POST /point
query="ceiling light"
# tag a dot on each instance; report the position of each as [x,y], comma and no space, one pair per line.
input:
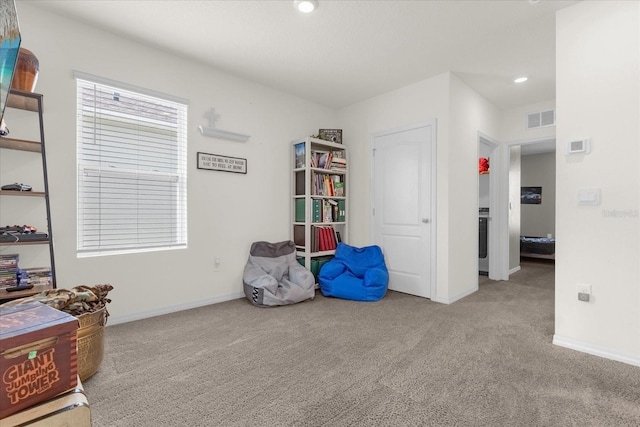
[305,6]
[521,79]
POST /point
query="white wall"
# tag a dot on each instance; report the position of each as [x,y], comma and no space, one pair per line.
[469,114]
[539,170]
[598,97]
[460,113]
[425,100]
[226,211]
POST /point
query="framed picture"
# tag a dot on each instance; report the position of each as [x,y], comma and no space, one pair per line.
[333,135]
[530,195]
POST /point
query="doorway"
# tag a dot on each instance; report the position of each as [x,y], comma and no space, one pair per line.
[515,154]
[489,212]
[403,219]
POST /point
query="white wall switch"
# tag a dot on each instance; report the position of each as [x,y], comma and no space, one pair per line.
[579,146]
[589,196]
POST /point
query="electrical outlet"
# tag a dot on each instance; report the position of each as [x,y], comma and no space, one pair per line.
[216,264]
[584,292]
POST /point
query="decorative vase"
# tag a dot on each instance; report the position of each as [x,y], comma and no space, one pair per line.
[26,74]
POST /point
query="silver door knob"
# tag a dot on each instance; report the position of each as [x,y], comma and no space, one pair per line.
[425,220]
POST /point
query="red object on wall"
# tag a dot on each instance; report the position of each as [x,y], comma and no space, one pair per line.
[483,165]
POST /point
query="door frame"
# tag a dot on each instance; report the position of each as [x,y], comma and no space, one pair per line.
[504,204]
[496,230]
[433,202]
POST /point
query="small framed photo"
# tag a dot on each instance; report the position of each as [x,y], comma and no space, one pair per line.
[531,195]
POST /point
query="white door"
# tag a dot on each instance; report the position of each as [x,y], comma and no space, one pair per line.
[403,209]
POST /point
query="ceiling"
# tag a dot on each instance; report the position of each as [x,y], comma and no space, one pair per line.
[348,51]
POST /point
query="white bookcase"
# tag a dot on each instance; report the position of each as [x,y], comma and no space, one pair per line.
[319,199]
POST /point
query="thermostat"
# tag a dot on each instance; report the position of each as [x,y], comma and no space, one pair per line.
[579,146]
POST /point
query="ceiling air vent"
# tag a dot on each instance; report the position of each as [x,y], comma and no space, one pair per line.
[541,119]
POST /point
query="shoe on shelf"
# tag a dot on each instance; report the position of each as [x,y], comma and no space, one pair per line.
[16,187]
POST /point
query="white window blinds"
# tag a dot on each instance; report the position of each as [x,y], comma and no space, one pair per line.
[132,170]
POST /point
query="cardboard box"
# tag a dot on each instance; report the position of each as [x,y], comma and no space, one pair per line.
[69,409]
[38,355]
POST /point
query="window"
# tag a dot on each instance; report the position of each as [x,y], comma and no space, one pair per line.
[132,168]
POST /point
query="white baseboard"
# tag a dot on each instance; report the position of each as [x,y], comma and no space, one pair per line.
[514,270]
[456,297]
[596,350]
[114,320]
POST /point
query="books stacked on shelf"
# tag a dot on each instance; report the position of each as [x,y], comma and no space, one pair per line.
[321,159]
[323,239]
[37,275]
[12,275]
[331,160]
[338,164]
[324,184]
[9,270]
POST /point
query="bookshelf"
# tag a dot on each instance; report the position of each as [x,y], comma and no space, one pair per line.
[31,207]
[319,200]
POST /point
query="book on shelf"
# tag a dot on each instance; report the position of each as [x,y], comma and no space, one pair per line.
[330,160]
[327,211]
[331,211]
[317,210]
[324,238]
[341,211]
[323,244]
[323,185]
[338,164]
[321,159]
[338,188]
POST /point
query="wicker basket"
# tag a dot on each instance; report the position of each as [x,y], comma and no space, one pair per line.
[91,342]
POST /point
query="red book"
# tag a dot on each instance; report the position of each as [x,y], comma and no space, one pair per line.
[322,240]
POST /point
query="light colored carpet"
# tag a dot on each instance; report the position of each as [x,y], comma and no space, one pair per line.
[486,360]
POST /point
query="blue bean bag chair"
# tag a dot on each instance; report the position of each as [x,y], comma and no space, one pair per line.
[358,274]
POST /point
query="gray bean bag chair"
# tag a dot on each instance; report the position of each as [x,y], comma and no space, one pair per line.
[273,276]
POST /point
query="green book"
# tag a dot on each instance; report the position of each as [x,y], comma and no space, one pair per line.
[341,211]
[317,210]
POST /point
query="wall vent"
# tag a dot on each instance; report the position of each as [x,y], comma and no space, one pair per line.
[541,119]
